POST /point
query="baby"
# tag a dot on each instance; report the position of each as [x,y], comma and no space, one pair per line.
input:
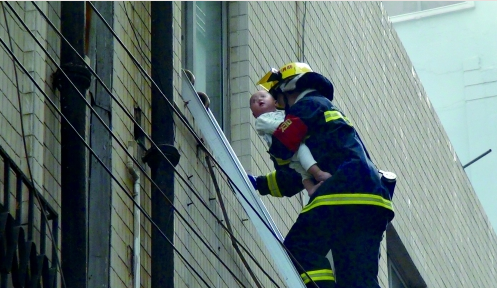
[268,118]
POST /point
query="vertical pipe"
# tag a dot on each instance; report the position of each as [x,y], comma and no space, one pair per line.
[163,135]
[136,234]
[74,206]
[136,217]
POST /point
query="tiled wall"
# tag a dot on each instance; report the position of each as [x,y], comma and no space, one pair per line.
[10,114]
[132,24]
[20,97]
[439,218]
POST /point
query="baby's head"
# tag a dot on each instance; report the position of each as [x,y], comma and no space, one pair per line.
[262,102]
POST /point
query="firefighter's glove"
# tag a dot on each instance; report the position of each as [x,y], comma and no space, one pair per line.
[253,180]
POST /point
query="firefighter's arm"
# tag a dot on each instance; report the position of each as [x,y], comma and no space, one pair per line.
[284,182]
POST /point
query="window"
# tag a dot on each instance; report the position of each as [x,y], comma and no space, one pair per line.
[394,279]
[402,273]
[26,215]
[409,10]
[204,50]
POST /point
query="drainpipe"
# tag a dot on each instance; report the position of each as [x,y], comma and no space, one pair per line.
[136,215]
[74,194]
[163,134]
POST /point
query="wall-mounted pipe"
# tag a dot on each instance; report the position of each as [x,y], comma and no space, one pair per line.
[74,171]
[163,134]
[135,176]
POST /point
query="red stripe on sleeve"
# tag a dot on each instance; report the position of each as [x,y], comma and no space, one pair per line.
[291,132]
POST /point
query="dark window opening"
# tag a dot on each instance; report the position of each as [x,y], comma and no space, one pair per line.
[402,273]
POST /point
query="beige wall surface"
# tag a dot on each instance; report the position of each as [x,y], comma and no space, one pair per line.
[40,121]
[29,123]
[132,25]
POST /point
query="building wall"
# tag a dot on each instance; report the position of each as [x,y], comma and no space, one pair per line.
[454,56]
[11,138]
[132,25]
[38,117]
[438,217]
[376,85]
[26,112]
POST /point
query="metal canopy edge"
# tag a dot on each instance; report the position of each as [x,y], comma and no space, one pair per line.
[227,159]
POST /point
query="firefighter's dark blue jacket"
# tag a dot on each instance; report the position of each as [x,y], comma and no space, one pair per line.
[282,182]
[337,148]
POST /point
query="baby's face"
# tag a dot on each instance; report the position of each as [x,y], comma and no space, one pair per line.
[262,102]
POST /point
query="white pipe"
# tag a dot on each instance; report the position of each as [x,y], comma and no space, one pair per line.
[136,218]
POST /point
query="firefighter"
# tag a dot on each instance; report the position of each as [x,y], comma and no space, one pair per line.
[350,211]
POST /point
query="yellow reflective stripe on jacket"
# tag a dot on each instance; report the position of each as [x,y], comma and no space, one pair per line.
[273,184]
[335,115]
[349,199]
[282,162]
[318,275]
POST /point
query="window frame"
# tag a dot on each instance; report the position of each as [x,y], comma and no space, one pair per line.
[188,53]
[399,257]
[393,270]
[432,12]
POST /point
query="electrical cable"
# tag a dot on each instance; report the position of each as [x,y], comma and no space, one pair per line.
[144,55]
[141,169]
[303,32]
[245,249]
[199,141]
[101,162]
[131,118]
[141,68]
[89,105]
[191,131]
[226,218]
[35,192]
[138,39]
[123,188]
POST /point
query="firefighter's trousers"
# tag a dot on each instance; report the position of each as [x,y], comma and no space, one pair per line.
[352,232]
